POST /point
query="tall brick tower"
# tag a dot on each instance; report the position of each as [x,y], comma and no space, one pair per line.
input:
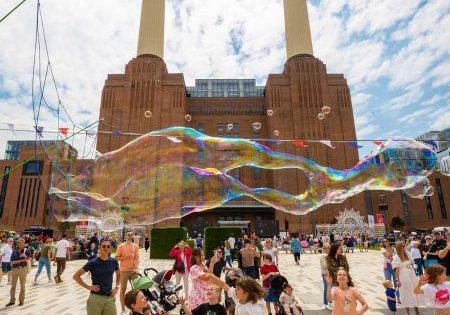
[295,96]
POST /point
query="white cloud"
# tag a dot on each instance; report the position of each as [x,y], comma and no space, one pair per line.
[89,39]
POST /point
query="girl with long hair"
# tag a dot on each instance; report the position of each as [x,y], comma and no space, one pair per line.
[406,278]
[199,287]
[345,296]
[336,260]
[434,285]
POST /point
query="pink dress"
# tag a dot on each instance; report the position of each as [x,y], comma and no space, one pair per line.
[197,295]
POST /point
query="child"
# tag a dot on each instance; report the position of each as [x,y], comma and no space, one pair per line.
[268,269]
[366,245]
[436,288]
[214,294]
[227,250]
[246,296]
[345,296]
[390,296]
[288,300]
[136,301]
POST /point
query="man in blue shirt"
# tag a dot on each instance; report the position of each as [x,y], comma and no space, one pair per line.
[199,241]
[102,268]
[19,264]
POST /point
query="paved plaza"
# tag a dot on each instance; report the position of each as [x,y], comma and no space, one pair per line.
[69,299]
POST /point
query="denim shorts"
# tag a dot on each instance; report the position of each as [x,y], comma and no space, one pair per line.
[6,266]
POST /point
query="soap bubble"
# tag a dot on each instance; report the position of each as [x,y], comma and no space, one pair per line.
[148,114]
[230,127]
[321,116]
[188,117]
[276,132]
[160,178]
[269,112]
[326,110]
[256,125]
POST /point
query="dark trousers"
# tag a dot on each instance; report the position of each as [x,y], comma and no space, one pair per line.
[60,266]
[250,272]
[297,256]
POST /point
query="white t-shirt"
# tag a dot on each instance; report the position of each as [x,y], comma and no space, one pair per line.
[61,248]
[7,250]
[438,296]
[415,253]
[136,239]
[248,308]
[232,241]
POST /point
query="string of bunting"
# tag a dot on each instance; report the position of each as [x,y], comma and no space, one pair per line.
[39,130]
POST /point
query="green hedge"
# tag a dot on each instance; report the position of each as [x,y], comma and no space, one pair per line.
[163,239]
[191,243]
[214,236]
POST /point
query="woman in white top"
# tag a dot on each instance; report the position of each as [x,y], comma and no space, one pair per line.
[324,269]
[246,296]
[406,279]
[271,250]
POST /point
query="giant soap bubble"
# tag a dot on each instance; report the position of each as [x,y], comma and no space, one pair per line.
[172,172]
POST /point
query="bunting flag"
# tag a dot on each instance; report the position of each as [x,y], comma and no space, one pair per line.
[300,143]
[117,132]
[174,139]
[377,142]
[63,131]
[328,143]
[11,127]
[39,130]
[354,144]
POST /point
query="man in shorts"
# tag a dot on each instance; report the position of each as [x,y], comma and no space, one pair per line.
[128,256]
[5,257]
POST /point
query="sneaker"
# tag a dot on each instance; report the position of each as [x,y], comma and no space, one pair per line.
[330,306]
[9,304]
[21,303]
[56,279]
[325,306]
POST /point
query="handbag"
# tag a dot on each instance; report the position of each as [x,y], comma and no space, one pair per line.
[178,267]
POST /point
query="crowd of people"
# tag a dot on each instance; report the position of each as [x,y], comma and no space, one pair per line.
[415,267]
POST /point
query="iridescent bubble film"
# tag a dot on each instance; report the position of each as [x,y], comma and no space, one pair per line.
[172,172]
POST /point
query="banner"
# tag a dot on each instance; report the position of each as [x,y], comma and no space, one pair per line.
[380,218]
[371,220]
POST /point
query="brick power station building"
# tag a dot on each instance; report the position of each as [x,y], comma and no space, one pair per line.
[295,96]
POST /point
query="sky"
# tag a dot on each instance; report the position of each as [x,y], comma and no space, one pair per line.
[394,54]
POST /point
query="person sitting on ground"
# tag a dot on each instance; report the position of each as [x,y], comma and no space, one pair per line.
[136,301]
[391,294]
[289,302]
[247,295]
[214,294]
[434,285]
[92,252]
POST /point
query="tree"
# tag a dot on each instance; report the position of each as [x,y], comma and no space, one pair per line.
[397,222]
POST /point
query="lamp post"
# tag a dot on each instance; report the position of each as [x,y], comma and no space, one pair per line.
[124,208]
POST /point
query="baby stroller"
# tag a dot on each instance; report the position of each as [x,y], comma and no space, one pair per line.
[160,291]
[277,284]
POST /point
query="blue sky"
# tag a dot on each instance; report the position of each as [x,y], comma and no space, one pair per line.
[394,54]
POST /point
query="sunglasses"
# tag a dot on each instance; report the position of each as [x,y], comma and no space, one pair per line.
[106,246]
